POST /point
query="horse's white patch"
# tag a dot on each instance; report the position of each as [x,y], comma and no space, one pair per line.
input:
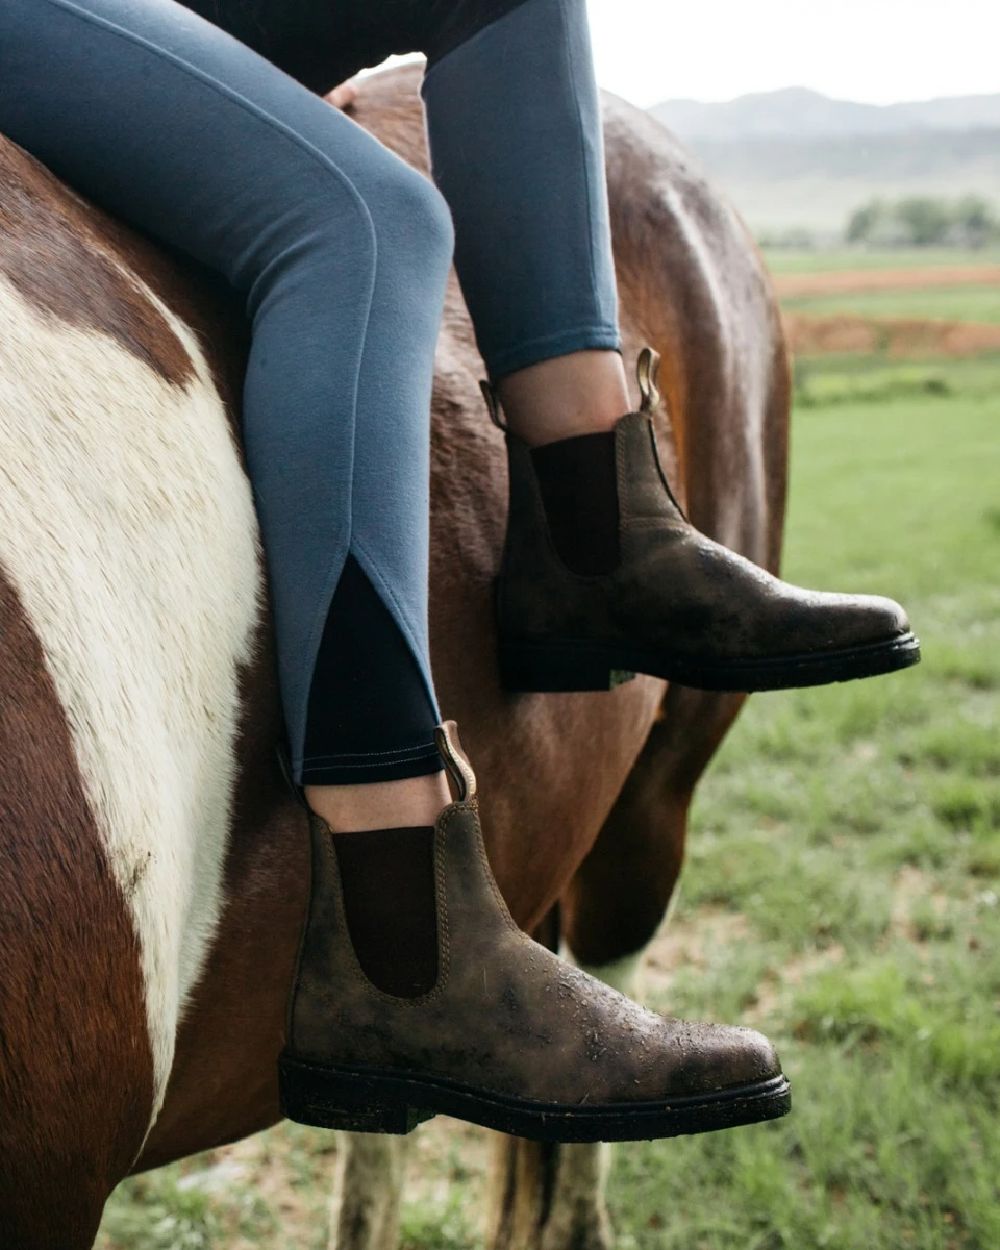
[128,529]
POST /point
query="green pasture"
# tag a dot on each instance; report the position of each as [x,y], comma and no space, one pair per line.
[949,303]
[826,381]
[842,893]
[820,260]
[849,838]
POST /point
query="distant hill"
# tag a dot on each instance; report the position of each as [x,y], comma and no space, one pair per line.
[799,112]
[796,158]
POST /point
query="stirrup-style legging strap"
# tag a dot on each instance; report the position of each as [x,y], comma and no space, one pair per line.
[341,252]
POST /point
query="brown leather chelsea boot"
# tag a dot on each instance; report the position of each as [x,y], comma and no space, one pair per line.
[675,604]
[508,1035]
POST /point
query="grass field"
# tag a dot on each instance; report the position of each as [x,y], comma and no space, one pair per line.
[932,285]
[824,381]
[788,260]
[850,837]
[842,892]
[958,303]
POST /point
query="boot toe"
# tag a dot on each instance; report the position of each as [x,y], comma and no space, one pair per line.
[873,618]
[822,621]
[719,1057]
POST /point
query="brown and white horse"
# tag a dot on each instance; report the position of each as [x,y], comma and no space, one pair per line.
[152,864]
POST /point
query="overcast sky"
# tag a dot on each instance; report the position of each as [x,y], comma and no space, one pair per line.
[879,51]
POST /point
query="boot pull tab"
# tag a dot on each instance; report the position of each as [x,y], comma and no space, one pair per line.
[456,761]
[646,367]
[492,407]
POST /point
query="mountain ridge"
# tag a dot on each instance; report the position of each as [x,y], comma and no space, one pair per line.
[796,159]
[804,112]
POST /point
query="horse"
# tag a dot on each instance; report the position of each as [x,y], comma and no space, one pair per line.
[153,861]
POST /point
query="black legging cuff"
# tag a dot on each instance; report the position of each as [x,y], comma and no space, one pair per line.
[344,772]
[369,715]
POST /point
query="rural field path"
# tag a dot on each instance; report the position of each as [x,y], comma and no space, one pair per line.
[810,333]
[854,281]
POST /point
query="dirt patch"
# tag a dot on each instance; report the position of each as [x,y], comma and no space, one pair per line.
[686,943]
[912,890]
[857,281]
[689,943]
[894,337]
[772,991]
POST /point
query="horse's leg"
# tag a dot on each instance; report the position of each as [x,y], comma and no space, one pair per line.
[555,1195]
[367,1192]
[622,895]
[546,1196]
[551,1197]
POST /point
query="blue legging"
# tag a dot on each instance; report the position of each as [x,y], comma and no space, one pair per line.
[341,251]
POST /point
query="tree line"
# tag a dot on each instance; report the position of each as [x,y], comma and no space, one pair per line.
[925,221]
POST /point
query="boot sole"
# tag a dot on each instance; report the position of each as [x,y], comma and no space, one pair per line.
[371,1101]
[565,664]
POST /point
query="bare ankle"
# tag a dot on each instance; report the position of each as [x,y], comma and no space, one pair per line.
[381,804]
[580,393]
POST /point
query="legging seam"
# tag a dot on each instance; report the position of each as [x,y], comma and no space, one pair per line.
[341,775]
[349,758]
[329,768]
[581,150]
[422,749]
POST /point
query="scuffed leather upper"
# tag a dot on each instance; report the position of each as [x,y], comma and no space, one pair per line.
[674,587]
[506,1014]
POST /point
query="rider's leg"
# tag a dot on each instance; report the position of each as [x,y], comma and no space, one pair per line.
[342,251]
[548,332]
[514,123]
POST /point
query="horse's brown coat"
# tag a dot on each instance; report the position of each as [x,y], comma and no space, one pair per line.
[62,256]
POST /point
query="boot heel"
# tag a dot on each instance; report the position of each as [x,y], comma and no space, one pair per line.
[556,667]
[325,1099]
